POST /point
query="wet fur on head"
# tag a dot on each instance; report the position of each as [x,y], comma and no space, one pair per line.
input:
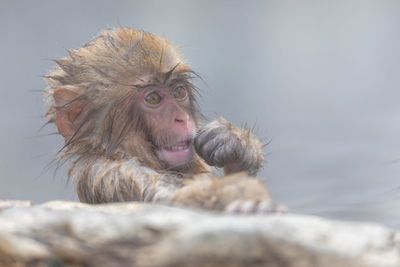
[106,75]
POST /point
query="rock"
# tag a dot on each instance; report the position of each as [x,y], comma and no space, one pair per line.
[14,203]
[138,234]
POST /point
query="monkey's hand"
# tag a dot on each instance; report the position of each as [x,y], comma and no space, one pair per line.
[222,145]
[235,193]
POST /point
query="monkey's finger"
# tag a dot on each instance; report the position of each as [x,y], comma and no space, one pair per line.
[228,152]
[248,207]
[210,131]
[244,207]
[233,207]
[208,150]
[269,207]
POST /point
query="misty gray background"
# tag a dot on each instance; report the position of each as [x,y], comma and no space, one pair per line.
[319,79]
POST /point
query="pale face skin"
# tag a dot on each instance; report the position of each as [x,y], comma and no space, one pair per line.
[173,129]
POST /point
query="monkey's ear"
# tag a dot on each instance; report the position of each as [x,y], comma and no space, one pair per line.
[70,111]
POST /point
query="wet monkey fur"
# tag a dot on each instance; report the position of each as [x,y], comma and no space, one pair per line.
[126,107]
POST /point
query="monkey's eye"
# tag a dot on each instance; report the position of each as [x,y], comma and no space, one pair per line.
[179,93]
[153,98]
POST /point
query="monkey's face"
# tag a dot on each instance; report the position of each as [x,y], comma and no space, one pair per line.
[169,122]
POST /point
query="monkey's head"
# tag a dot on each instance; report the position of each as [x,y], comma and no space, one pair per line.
[125,94]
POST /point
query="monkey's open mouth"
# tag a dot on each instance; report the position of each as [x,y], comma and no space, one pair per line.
[177,154]
[179,146]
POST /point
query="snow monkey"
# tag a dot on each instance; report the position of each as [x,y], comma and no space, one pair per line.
[126,106]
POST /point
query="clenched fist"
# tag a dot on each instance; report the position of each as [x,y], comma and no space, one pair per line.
[222,145]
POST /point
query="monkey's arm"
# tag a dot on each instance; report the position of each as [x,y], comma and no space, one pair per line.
[221,144]
[102,181]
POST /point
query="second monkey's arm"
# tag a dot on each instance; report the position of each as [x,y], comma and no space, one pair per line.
[222,145]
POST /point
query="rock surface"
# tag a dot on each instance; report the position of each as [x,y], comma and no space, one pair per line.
[137,234]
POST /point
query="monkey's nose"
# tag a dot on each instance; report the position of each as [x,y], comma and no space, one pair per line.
[180,121]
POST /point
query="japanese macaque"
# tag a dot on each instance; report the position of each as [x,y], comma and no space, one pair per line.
[126,107]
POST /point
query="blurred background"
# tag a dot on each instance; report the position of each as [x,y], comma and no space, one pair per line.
[319,79]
